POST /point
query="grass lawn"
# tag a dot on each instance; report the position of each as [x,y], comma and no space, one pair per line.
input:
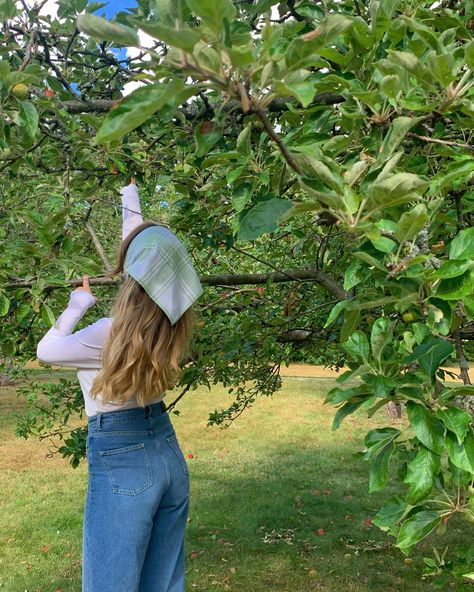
[260,491]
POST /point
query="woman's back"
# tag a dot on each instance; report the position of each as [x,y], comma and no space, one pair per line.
[82,349]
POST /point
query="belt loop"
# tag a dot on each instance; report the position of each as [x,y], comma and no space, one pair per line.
[99,422]
[148,412]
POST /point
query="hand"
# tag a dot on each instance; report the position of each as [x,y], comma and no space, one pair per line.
[132,181]
[86,287]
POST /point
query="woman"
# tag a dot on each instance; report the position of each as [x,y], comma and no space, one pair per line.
[138,487]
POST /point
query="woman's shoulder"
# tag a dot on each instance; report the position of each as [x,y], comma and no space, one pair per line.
[95,334]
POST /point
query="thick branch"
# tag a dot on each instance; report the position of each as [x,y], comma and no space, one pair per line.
[315,275]
[191,111]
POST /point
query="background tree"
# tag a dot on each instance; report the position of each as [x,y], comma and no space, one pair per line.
[332,155]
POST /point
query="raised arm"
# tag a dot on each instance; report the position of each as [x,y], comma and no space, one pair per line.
[61,347]
[131,211]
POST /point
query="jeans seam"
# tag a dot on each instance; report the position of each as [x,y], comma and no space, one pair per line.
[168,474]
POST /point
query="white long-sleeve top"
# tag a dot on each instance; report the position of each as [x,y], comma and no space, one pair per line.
[82,349]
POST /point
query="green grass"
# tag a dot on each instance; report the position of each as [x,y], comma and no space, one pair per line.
[260,490]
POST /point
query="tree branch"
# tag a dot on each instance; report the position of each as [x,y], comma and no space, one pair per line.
[260,113]
[98,246]
[463,365]
[310,274]
[190,111]
[438,141]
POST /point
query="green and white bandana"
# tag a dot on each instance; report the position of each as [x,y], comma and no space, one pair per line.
[159,262]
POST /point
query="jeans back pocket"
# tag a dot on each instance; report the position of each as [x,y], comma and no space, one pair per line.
[128,468]
[174,445]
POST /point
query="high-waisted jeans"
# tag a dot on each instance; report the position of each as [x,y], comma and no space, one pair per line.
[137,503]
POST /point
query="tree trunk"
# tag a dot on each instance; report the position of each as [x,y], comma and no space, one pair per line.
[394,411]
[6,367]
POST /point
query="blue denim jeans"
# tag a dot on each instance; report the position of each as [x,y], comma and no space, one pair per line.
[137,503]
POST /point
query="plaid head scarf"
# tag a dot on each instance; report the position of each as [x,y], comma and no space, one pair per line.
[159,262]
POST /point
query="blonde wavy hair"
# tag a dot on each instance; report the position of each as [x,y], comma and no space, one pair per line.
[142,353]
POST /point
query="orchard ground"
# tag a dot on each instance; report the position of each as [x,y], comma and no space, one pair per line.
[278,503]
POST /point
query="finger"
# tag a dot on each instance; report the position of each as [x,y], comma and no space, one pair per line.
[85,280]
[132,180]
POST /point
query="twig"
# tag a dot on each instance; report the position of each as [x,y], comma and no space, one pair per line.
[463,365]
[98,246]
[29,50]
[438,141]
[180,396]
[255,258]
[13,159]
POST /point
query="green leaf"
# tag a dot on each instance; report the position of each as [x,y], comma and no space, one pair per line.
[411,223]
[439,316]
[206,135]
[340,395]
[241,56]
[47,314]
[456,420]
[4,305]
[357,346]
[391,85]
[395,136]
[139,106]
[332,26]
[454,268]
[242,195]
[420,474]
[351,322]
[297,85]
[429,430]
[416,528]
[335,312]
[429,37]
[469,55]
[262,218]
[299,208]
[353,275]
[316,168]
[456,288]
[183,38]
[381,337]
[455,175]
[442,67]
[28,118]
[393,510]
[343,412]
[377,439]
[243,141]
[371,261]
[462,246]
[213,12]
[4,70]
[430,354]
[379,468]
[389,191]
[302,51]
[105,30]
[461,455]
[412,64]
[170,12]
